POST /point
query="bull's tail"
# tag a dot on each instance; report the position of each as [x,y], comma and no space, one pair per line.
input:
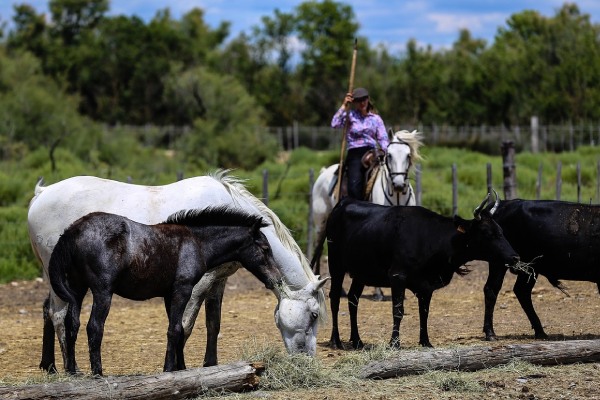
[59,270]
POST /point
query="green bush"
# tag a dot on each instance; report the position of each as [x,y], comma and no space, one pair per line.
[16,260]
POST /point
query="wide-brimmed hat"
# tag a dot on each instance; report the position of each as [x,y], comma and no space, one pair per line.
[359,93]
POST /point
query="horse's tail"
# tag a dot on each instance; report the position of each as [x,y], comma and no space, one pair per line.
[59,270]
[36,193]
[318,251]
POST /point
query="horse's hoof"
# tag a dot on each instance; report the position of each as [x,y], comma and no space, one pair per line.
[541,336]
[491,338]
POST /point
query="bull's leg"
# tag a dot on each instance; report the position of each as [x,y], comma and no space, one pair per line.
[334,302]
[356,289]
[424,302]
[48,363]
[95,329]
[398,284]
[490,292]
[214,302]
[522,289]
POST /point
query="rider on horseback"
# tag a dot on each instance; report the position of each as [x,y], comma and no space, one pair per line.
[365,132]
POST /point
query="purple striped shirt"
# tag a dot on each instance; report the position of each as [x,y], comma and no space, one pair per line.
[364,131]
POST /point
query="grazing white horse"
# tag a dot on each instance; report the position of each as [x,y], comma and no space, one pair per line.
[391,185]
[54,208]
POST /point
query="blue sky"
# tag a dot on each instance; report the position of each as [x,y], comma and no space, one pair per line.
[391,22]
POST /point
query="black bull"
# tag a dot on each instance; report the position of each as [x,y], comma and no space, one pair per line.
[560,239]
[404,248]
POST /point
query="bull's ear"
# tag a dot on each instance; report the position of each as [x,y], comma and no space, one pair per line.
[461,225]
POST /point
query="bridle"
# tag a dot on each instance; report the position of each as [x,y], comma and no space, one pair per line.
[389,194]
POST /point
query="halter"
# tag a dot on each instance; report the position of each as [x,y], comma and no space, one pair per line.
[389,194]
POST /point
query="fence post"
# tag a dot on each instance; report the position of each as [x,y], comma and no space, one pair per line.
[538,183]
[419,189]
[535,135]
[265,187]
[309,246]
[489,177]
[578,181]
[558,180]
[598,181]
[454,190]
[509,170]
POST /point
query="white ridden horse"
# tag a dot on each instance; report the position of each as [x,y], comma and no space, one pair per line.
[301,304]
[391,185]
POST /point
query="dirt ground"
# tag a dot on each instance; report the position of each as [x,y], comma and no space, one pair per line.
[135,337]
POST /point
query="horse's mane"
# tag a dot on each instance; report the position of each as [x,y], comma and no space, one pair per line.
[217,215]
[414,141]
[237,190]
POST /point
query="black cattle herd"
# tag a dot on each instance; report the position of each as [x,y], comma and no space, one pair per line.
[416,249]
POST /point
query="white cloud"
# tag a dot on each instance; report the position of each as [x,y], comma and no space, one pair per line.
[475,23]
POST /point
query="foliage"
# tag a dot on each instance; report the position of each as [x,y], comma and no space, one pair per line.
[296,65]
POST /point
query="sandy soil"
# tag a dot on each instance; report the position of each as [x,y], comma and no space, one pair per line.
[135,336]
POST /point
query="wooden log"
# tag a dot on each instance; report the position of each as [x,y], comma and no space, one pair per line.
[235,377]
[474,358]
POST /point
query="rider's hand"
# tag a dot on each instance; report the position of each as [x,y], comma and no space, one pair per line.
[348,100]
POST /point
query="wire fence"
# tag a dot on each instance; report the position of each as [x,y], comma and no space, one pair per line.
[485,138]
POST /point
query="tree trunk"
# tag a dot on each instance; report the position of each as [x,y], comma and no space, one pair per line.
[479,357]
[234,377]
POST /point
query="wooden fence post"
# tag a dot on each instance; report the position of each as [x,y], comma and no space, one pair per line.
[538,183]
[489,177]
[578,182]
[535,135]
[418,188]
[598,181]
[558,180]
[265,187]
[454,190]
[309,245]
[509,170]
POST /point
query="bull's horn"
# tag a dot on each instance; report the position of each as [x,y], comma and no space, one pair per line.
[477,211]
[496,203]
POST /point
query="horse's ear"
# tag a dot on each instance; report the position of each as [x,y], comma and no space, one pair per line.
[256,228]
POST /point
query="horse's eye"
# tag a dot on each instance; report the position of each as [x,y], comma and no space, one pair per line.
[315,315]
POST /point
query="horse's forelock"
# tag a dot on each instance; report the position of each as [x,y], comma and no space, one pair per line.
[414,140]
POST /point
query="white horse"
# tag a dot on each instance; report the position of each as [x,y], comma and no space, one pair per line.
[391,185]
[301,302]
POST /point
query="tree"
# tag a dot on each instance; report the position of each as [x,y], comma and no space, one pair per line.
[227,121]
[327,31]
[34,110]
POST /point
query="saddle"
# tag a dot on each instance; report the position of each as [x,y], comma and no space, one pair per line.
[371,161]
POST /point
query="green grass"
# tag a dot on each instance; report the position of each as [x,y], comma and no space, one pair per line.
[288,185]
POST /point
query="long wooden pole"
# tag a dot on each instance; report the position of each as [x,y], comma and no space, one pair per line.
[347,106]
